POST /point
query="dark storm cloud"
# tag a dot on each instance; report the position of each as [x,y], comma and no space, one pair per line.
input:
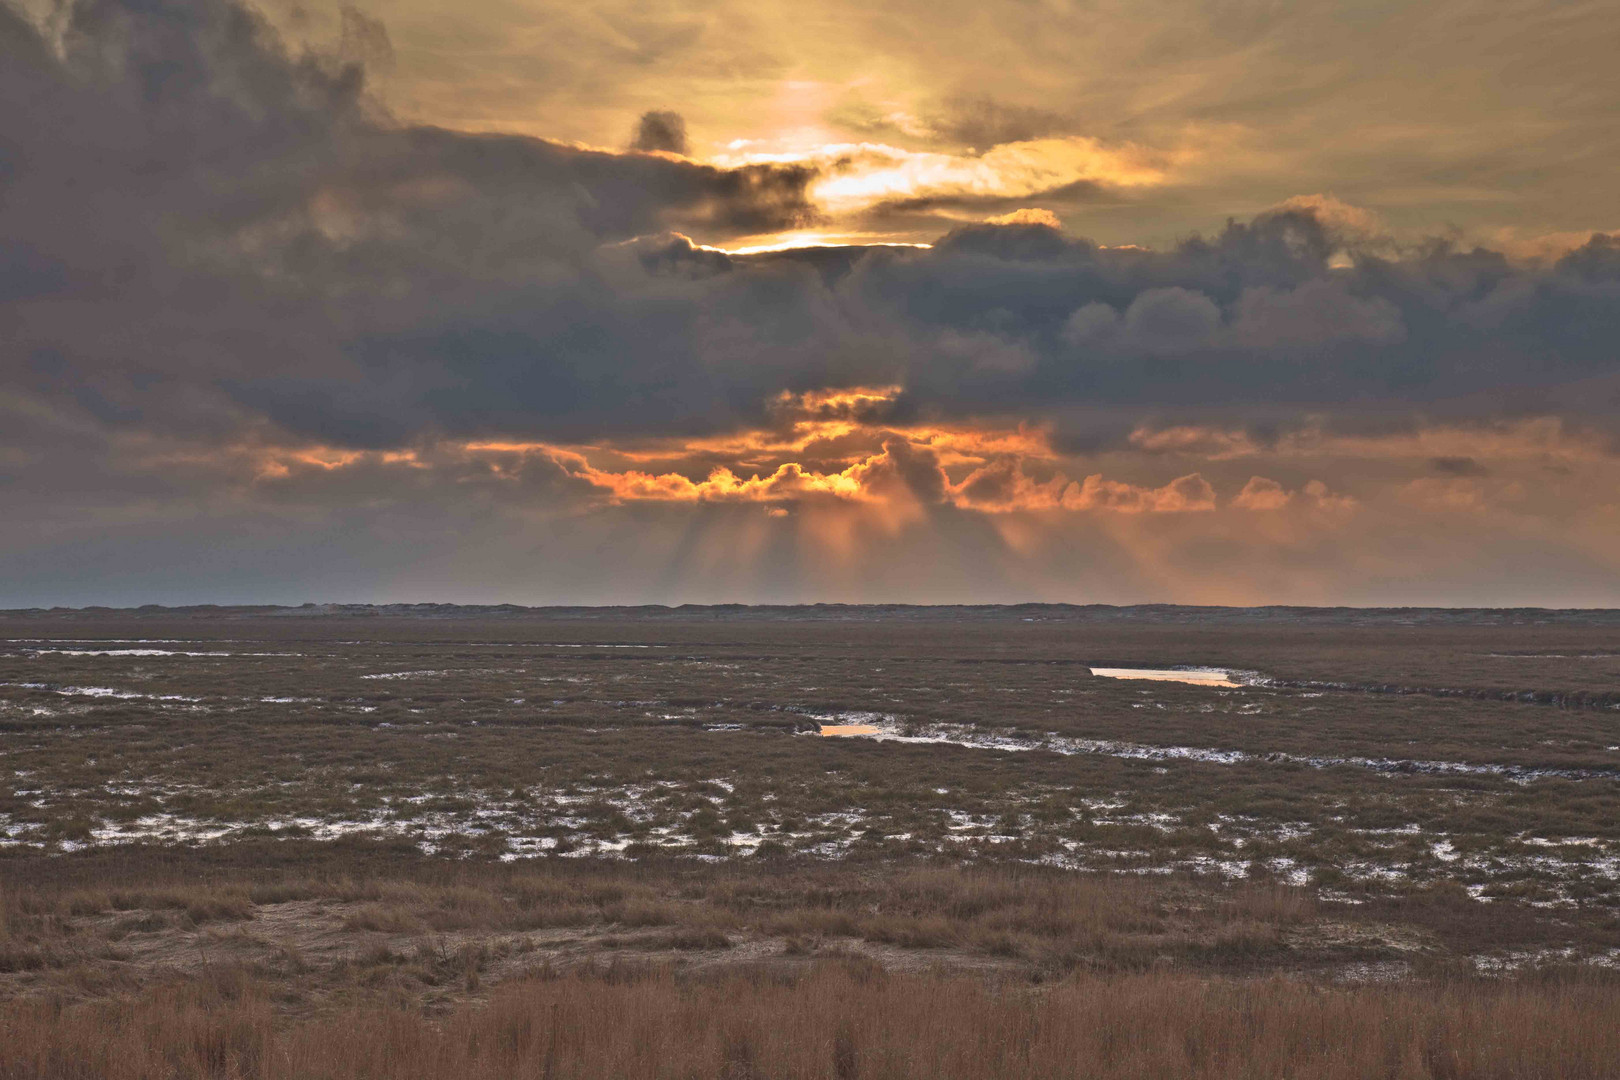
[660,130]
[942,212]
[207,237]
[186,122]
[194,223]
[1458,466]
[1076,193]
[1255,316]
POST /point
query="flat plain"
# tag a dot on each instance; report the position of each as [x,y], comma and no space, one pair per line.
[809,842]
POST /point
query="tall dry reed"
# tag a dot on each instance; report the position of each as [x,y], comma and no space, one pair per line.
[843,1021]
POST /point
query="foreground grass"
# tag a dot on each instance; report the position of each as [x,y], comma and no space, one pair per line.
[843,1020]
[343,923]
[63,920]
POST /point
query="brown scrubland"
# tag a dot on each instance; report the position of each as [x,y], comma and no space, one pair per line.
[839,1020]
[569,847]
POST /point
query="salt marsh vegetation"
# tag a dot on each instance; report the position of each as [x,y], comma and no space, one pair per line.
[883,788]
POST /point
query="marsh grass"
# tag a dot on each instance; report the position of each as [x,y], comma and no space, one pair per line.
[68,918]
[283,866]
[841,1020]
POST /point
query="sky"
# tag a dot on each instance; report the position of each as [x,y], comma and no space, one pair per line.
[530,301]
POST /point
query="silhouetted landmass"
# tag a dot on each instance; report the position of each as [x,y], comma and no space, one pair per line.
[1150,614]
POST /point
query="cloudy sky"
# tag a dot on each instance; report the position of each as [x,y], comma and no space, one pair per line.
[1204,301]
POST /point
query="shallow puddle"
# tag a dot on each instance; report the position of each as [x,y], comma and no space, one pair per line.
[1195,676]
[850,729]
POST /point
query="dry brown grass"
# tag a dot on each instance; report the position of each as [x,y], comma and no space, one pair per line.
[247,908]
[843,1021]
[128,914]
[931,947]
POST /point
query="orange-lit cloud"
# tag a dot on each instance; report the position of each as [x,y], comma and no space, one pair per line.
[1027,216]
[838,457]
[827,445]
[1263,493]
[1537,438]
[1185,493]
[860,458]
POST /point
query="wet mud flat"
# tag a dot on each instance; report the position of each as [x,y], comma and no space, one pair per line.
[1147,748]
[342,810]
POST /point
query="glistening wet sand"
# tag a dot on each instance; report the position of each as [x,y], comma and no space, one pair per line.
[1195,676]
[850,729]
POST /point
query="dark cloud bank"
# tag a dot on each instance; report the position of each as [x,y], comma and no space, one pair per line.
[207,240]
[661,129]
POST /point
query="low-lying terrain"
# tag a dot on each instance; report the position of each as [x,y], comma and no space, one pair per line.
[1391,828]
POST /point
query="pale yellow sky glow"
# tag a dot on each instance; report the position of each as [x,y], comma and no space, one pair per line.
[1437,112]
